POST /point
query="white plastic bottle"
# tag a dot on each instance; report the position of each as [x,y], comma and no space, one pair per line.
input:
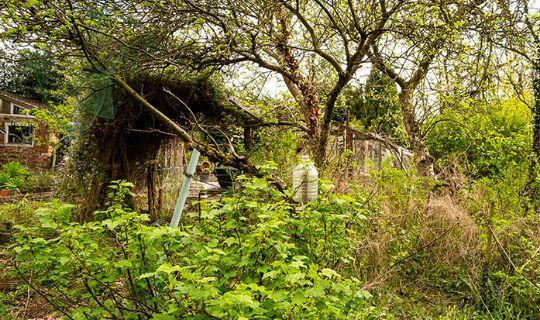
[305,181]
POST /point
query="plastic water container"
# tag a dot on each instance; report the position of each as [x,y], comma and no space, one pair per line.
[305,181]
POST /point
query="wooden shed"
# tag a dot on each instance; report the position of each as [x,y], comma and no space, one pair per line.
[367,148]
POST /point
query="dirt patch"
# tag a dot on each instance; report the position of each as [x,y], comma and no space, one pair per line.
[33,307]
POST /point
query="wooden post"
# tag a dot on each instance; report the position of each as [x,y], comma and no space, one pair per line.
[248,138]
[150,184]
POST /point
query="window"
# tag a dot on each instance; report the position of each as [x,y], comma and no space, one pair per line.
[19,134]
[18,110]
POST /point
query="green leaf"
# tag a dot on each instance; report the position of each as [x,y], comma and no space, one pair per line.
[295,278]
[168,268]
[329,273]
[163,317]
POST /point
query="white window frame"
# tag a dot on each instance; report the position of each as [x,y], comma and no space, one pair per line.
[9,112]
[6,135]
[13,105]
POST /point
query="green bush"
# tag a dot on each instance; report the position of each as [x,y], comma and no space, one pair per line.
[254,255]
[39,181]
[13,175]
[485,139]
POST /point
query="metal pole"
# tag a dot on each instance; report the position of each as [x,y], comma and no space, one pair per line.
[185,188]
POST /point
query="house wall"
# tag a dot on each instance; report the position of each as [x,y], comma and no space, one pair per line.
[4,106]
[37,156]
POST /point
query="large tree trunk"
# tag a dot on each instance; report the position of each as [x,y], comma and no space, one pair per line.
[326,126]
[300,86]
[306,96]
[531,189]
[536,115]
[423,160]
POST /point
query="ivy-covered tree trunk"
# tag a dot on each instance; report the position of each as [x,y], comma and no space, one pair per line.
[326,126]
[532,189]
[301,87]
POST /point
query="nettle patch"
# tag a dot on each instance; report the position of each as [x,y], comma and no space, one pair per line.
[252,256]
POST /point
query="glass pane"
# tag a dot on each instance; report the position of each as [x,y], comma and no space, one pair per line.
[20,134]
[18,109]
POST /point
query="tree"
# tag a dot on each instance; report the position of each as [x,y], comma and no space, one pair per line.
[32,74]
[112,40]
[375,105]
[414,42]
[519,33]
[315,46]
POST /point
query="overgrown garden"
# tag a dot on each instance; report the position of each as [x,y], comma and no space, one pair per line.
[132,88]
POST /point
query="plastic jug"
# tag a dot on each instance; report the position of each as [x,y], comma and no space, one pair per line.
[305,181]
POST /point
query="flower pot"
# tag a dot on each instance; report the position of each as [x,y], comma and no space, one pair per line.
[4,193]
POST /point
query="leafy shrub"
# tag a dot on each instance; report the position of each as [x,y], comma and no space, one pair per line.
[254,255]
[15,169]
[276,146]
[486,139]
[12,175]
[19,212]
[39,181]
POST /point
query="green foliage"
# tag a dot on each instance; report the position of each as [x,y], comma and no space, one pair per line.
[33,74]
[59,119]
[510,239]
[513,293]
[39,181]
[277,146]
[254,255]
[19,212]
[12,175]
[14,169]
[376,106]
[38,75]
[486,139]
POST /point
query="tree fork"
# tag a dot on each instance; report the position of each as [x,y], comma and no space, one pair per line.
[424,161]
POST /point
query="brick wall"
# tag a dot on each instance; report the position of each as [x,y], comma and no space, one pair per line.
[37,156]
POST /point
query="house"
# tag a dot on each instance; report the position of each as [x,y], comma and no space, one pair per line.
[22,137]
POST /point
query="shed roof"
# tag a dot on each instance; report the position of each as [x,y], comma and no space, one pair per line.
[362,135]
[24,102]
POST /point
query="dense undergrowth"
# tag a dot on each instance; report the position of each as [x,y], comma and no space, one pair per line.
[17,178]
[392,247]
[242,258]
